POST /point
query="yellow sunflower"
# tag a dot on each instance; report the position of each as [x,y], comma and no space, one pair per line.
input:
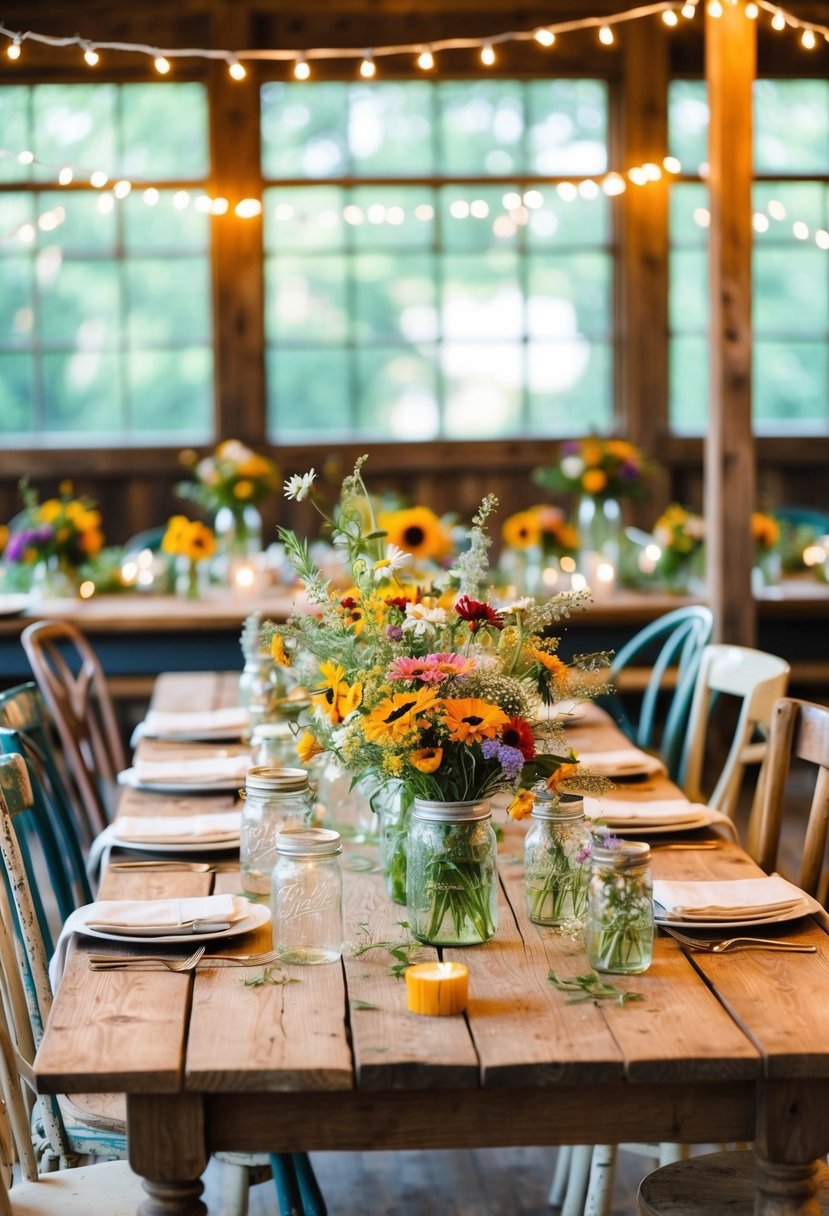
[522,530]
[426,759]
[176,527]
[338,698]
[308,746]
[521,805]
[198,541]
[418,531]
[396,715]
[469,720]
[278,651]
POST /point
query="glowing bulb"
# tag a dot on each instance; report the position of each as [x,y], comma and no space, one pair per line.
[578,582]
[203,203]
[91,57]
[702,217]
[605,573]
[368,68]
[162,65]
[511,200]
[760,222]
[813,555]
[800,231]
[544,37]
[778,21]
[86,589]
[670,17]
[808,40]
[651,171]
[302,69]
[487,55]
[614,183]
[26,158]
[13,49]
[248,208]
[533,199]
[637,175]
[105,204]
[752,11]
[588,189]
[65,176]
[98,179]
[121,189]
[671,165]
[426,60]
[237,70]
[567,191]
[151,196]
[568,565]
[688,11]
[219,206]
[181,200]
[715,9]
[606,35]
[822,238]
[776,209]
[26,233]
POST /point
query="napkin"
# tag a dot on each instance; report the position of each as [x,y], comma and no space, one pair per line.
[656,813]
[622,763]
[148,917]
[231,720]
[177,829]
[733,899]
[205,770]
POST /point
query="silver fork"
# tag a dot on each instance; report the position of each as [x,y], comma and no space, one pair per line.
[145,962]
[735,943]
[194,867]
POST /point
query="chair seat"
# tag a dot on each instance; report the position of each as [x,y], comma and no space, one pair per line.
[718,1182]
[93,1190]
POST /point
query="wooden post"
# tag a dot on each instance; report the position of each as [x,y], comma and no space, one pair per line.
[730,471]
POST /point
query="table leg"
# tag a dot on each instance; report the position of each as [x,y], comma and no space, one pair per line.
[792,1132]
[166,1144]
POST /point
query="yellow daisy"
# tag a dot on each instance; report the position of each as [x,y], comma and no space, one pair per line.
[521,805]
[307,747]
[469,719]
[396,715]
[426,759]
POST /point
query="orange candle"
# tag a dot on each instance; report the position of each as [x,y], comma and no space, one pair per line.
[437,989]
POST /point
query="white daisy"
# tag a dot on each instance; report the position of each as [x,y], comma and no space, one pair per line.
[299,486]
[421,620]
[394,559]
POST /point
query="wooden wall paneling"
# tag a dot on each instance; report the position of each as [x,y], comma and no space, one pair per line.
[730,473]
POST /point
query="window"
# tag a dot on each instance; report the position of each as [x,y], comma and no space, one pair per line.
[421,281]
[105,301]
[790,262]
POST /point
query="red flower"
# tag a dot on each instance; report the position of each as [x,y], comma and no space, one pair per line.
[399,601]
[348,602]
[518,733]
[478,614]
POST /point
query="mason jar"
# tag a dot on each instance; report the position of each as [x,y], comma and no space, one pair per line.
[556,862]
[392,804]
[451,881]
[274,799]
[619,935]
[273,744]
[307,896]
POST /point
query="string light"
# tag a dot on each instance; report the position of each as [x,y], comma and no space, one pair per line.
[122,188]
[302,69]
[808,40]
[13,49]
[65,176]
[752,11]
[151,196]
[236,69]
[426,60]
[544,37]
[670,18]
[778,21]
[715,8]
[688,11]
[671,165]
[161,64]
[98,179]
[487,55]
[368,68]
[606,35]
[91,56]
[247,208]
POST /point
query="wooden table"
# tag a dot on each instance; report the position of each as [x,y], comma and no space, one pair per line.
[722,1048]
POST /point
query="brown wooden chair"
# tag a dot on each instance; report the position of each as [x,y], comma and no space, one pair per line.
[725,1181]
[74,688]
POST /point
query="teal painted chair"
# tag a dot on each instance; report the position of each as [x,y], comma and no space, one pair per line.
[672,643]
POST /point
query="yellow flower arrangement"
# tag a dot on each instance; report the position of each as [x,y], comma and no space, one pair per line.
[193,542]
[542,527]
[600,468]
[418,532]
[66,528]
[233,476]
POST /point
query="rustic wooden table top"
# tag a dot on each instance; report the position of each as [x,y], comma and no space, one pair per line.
[726,1047]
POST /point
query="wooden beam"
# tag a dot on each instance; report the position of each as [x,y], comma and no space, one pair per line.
[730,472]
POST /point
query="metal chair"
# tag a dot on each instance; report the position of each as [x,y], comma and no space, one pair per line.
[74,688]
[672,643]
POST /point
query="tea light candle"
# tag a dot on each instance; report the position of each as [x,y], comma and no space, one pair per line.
[437,989]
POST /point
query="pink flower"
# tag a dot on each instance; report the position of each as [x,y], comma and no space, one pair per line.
[451,664]
[409,669]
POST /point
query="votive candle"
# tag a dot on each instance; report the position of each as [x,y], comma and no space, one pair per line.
[437,989]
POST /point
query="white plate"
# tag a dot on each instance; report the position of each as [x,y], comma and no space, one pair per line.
[703,820]
[803,908]
[196,736]
[194,846]
[260,914]
[11,605]
[225,785]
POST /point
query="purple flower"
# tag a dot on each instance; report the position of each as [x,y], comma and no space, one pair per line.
[490,748]
[394,633]
[512,760]
[570,447]
[628,471]
[584,854]
[19,542]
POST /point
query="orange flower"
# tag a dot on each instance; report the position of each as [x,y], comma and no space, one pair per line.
[469,720]
[278,651]
[307,747]
[563,773]
[593,481]
[521,805]
[426,759]
[522,530]
[338,698]
[556,666]
[395,716]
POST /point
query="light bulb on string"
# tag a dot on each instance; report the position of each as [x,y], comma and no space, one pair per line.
[426,60]
[91,56]
[715,9]
[671,165]
[606,35]
[122,188]
[752,11]
[808,40]
[544,37]
[302,69]
[487,55]
[368,68]
[669,17]
[778,21]
[65,175]
[13,49]
[688,11]
[161,65]
[236,69]
[98,179]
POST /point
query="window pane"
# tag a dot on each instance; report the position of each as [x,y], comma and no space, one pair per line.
[84,230]
[161,227]
[688,291]
[16,307]
[307,299]
[75,124]
[569,295]
[689,206]
[395,297]
[82,394]
[390,130]
[482,296]
[790,291]
[390,217]
[688,123]
[570,387]
[304,217]
[310,393]
[482,128]
[304,130]
[790,386]
[688,405]
[567,127]
[180,111]
[79,306]
[477,216]
[172,391]
[398,393]
[557,223]
[484,383]
[791,126]
[14,123]
[168,301]
[16,394]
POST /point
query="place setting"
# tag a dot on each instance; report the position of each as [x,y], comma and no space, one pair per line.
[214,772]
[223,725]
[653,817]
[741,903]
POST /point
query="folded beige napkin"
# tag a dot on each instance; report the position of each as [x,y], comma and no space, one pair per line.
[655,813]
[166,917]
[624,762]
[732,899]
[231,719]
[177,829]
[204,770]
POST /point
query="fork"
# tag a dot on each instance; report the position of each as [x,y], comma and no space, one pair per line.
[194,867]
[146,962]
[734,943]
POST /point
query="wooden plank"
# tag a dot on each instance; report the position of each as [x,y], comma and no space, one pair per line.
[395,1049]
[272,1037]
[730,473]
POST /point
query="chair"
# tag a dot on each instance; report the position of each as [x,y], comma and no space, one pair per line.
[74,688]
[758,679]
[716,1182]
[673,641]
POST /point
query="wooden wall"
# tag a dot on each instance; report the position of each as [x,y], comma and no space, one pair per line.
[134,487]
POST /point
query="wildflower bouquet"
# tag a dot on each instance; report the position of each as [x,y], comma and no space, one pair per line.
[599,468]
[193,542]
[542,527]
[66,530]
[435,687]
[680,535]
[233,476]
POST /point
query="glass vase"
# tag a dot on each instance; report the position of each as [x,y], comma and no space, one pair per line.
[393,807]
[53,579]
[599,522]
[619,937]
[238,538]
[557,852]
[451,881]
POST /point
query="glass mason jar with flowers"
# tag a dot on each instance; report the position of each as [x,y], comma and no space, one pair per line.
[534,541]
[765,533]
[52,540]
[432,686]
[679,533]
[190,543]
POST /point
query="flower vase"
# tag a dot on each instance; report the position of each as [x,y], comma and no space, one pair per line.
[53,579]
[238,538]
[599,522]
[393,807]
[451,881]
[188,578]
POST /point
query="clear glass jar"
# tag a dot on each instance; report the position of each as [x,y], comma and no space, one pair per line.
[274,799]
[393,806]
[262,683]
[273,744]
[557,862]
[307,896]
[619,935]
[451,881]
[346,807]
